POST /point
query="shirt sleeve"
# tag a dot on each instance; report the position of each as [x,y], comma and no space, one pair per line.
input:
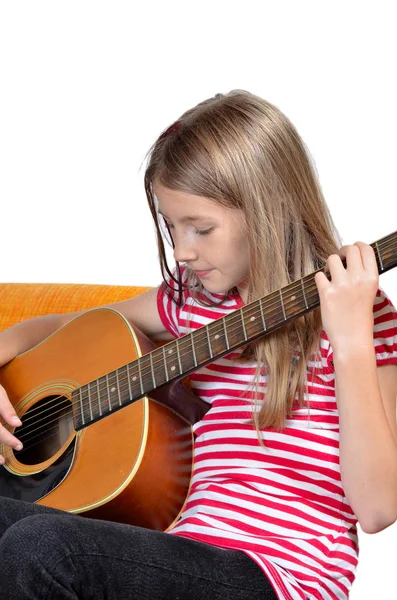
[168,303]
[385,330]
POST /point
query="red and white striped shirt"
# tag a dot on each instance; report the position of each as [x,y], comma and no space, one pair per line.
[282,504]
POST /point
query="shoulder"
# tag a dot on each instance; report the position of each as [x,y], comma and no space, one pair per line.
[142,311]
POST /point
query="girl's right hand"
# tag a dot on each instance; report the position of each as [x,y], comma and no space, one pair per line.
[13,341]
[8,415]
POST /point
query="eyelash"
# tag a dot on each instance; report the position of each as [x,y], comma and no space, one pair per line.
[204,231]
[198,231]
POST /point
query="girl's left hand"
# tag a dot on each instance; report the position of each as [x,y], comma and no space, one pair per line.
[347,300]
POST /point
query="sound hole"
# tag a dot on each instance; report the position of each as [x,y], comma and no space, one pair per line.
[45,428]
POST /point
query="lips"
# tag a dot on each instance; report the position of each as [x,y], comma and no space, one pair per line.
[202,273]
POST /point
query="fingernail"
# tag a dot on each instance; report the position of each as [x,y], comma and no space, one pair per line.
[16,421]
[19,447]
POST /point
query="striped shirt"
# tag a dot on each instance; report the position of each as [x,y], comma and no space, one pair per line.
[282,504]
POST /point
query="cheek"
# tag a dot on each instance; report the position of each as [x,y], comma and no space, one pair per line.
[240,245]
[236,254]
[235,236]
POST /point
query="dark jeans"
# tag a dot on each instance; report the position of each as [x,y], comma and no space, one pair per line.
[51,555]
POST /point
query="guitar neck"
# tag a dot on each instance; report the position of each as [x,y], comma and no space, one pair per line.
[184,355]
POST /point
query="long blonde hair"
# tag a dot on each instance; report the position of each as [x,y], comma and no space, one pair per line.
[241,152]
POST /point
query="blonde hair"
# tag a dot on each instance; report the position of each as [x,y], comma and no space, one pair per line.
[242,152]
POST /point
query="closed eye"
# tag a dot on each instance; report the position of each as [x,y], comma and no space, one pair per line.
[198,231]
[204,231]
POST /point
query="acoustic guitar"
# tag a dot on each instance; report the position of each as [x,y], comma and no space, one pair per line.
[82,453]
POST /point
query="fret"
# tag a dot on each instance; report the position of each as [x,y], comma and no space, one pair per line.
[304,293]
[388,258]
[235,331]
[133,370]
[165,364]
[186,354]
[103,396]
[194,350]
[294,303]
[99,397]
[112,386]
[282,306]
[380,256]
[171,354]
[272,310]
[179,357]
[140,375]
[89,400]
[129,381]
[200,344]
[243,324]
[252,320]
[217,337]
[118,387]
[209,342]
[147,383]
[81,406]
[226,338]
[86,404]
[108,392]
[262,315]
[152,370]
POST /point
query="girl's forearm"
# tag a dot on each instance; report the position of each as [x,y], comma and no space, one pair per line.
[368,450]
[23,336]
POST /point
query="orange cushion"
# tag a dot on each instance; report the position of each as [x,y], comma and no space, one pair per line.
[20,301]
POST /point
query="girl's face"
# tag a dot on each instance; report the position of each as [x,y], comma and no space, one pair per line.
[209,238]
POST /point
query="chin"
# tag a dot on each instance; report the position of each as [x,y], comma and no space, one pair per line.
[215,289]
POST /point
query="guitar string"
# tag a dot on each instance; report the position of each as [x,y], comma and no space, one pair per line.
[251,311]
[216,328]
[27,435]
[122,381]
[161,360]
[186,339]
[41,440]
[236,318]
[55,429]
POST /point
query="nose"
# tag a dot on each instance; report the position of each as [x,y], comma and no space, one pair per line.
[184,249]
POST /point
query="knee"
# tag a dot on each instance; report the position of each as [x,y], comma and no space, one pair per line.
[33,538]
[31,552]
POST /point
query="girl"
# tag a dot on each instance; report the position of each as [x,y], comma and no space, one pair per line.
[300,440]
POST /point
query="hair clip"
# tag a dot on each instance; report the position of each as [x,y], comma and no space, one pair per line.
[174,128]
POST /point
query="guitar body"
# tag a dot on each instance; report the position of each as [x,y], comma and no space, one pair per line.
[81,452]
[133,466]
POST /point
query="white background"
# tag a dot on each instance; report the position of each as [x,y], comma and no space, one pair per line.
[86,88]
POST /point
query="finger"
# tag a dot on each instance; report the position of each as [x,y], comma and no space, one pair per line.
[7,410]
[7,438]
[350,254]
[321,281]
[335,267]
[342,252]
[368,257]
[354,262]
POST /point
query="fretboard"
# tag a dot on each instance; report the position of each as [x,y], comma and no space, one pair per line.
[184,355]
